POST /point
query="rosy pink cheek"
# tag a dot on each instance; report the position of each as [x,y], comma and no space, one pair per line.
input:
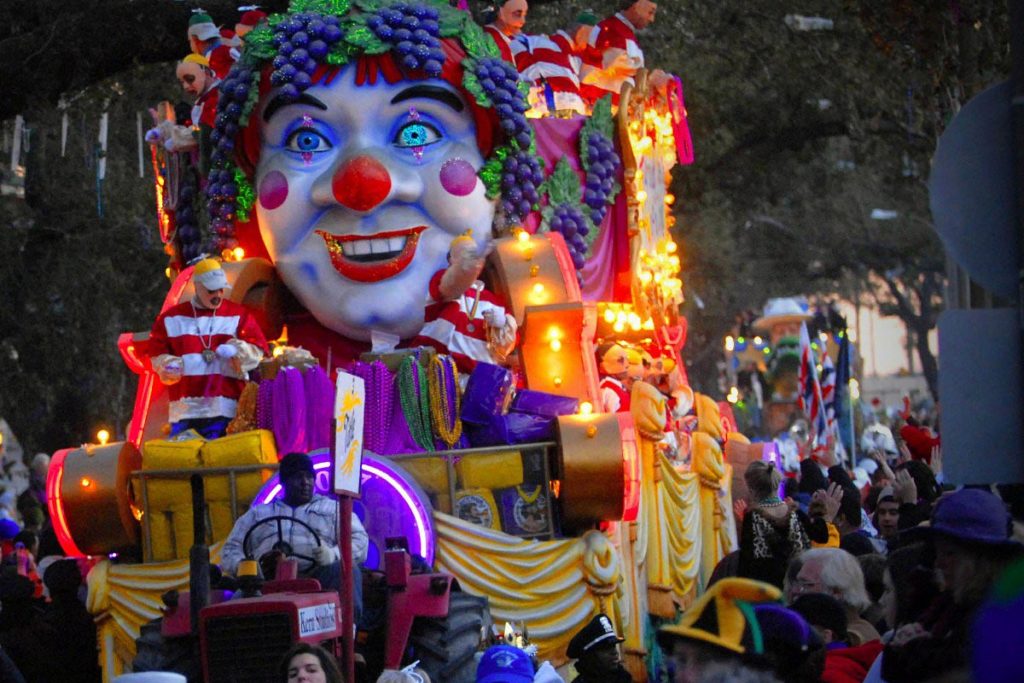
[273,190]
[458,177]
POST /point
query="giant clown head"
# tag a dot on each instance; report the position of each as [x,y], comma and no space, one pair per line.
[364,131]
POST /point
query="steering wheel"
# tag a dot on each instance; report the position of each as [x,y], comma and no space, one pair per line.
[281,544]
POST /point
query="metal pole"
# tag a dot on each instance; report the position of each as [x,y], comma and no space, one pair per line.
[348,633]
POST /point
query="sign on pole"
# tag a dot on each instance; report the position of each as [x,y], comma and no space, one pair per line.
[349,403]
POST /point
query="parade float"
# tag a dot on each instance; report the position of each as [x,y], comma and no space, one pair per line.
[360,151]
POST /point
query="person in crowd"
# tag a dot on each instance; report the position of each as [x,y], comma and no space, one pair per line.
[551,64]
[410,674]
[203,348]
[71,621]
[793,651]
[887,514]
[504,664]
[843,663]
[596,651]
[303,505]
[509,17]
[917,495]
[772,530]
[305,663]
[971,535]
[835,572]
[873,567]
[26,638]
[719,628]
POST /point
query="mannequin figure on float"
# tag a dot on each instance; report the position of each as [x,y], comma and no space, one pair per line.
[508,22]
[613,368]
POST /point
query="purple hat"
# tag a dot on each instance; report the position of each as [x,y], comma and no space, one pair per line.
[504,664]
[8,529]
[973,516]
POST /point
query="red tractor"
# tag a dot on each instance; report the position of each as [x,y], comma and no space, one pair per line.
[220,636]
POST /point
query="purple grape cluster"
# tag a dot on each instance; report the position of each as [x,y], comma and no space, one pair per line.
[302,41]
[498,79]
[521,178]
[412,31]
[568,220]
[602,168]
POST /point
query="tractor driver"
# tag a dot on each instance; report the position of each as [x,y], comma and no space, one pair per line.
[273,539]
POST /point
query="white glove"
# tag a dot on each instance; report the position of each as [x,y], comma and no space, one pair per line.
[153,136]
[326,554]
[169,368]
[227,350]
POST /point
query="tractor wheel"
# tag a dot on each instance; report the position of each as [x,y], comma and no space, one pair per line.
[445,647]
[153,652]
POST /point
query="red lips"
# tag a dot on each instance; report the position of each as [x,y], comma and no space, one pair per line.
[371,258]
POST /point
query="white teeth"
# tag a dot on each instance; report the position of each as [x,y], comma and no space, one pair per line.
[365,247]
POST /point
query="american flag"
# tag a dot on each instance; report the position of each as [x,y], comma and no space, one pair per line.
[811,397]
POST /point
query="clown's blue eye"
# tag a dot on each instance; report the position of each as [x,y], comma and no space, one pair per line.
[416,134]
[307,140]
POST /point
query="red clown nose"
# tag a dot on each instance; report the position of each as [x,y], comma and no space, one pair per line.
[361,183]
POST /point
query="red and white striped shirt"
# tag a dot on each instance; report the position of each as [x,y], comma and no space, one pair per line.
[550,61]
[614,396]
[449,327]
[207,388]
[503,42]
[613,36]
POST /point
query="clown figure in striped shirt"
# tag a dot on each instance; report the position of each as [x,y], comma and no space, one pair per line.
[203,349]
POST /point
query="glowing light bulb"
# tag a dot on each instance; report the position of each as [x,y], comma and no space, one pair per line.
[670,199]
[641,196]
[538,289]
[278,350]
[649,324]
[609,316]
[557,381]
[758,341]
[523,236]
[671,247]
[619,326]
[586,408]
[556,345]
[730,343]
[238,253]
[102,437]
[86,482]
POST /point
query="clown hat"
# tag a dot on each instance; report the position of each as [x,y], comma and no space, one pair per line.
[783,310]
[209,274]
[724,617]
[201,26]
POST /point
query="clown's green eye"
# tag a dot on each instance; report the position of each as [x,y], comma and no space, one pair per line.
[416,134]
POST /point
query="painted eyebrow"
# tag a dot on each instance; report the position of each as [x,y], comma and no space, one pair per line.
[280,101]
[430,92]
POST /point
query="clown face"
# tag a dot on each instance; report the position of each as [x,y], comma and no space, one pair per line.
[193,78]
[360,191]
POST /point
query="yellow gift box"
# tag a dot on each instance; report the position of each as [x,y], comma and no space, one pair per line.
[255,447]
[499,471]
[431,473]
[160,454]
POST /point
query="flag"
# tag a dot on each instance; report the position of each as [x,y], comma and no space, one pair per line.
[810,398]
[843,402]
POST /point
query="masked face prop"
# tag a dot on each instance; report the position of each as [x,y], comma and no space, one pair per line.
[360,191]
[366,137]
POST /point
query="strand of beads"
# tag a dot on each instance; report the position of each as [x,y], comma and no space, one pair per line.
[410,379]
[444,400]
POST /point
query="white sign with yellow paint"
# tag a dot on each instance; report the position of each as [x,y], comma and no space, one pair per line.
[349,403]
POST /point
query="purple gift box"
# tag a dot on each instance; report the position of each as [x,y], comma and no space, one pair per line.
[512,429]
[487,393]
[541,403]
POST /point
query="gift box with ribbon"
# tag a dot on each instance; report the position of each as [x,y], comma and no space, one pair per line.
[541,403]
[512,428]
[487,394]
